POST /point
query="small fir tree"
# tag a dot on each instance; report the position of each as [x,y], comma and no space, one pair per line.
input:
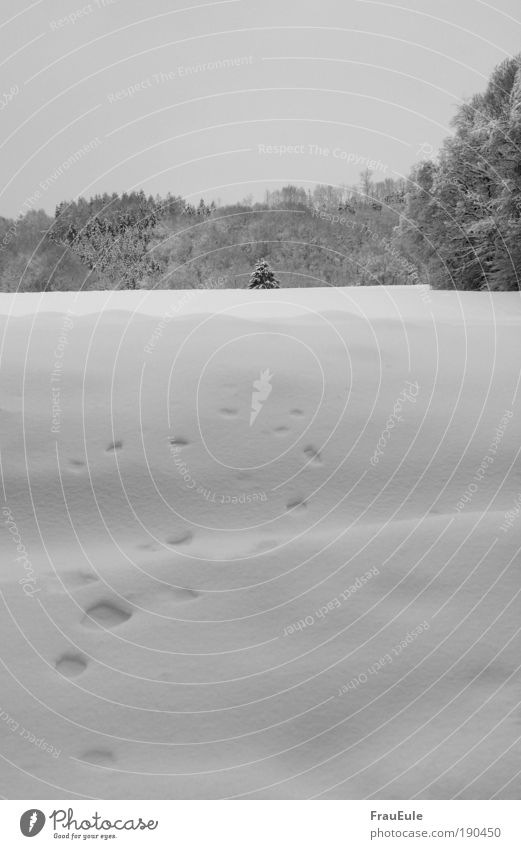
[263,277]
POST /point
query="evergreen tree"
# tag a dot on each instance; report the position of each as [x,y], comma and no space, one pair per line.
[263,277]
[463,213]
[119,248]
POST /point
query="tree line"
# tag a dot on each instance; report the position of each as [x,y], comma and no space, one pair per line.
[455,222]
[462,218]
[327,236]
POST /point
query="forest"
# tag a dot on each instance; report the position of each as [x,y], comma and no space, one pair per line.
[454,223]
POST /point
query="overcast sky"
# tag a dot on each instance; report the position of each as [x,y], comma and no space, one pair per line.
[188,97]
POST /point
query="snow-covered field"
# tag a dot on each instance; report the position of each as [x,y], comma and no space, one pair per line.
[254,544]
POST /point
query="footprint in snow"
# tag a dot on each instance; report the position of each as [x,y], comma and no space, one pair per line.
[297,505]
[114,446]
[71,665]
[97,757]
[313,455]
[78,579]
[180,441]
[181,538]
[106,615]
[76,466]
[148,546]
[184,594]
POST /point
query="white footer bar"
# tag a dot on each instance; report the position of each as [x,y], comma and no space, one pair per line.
[262,824]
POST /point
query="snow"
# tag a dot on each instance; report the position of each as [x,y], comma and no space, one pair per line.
[418,302]
[322,603]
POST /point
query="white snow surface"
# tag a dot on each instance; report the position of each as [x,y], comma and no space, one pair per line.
[322,602]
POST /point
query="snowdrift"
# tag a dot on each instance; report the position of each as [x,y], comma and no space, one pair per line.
[260,545]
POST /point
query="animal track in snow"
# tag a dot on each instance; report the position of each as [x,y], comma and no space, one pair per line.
[76,466]
[114,446]
[181,538]
[184,594]
[71,665]
[148,546]
[79,579]
[297,505]
[97,757]
[87,578]
[106,615]
[313,455]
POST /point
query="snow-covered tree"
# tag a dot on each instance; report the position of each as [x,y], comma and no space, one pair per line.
[263,277]
[463,213]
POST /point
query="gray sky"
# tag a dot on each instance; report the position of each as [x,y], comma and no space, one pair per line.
[112,95]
